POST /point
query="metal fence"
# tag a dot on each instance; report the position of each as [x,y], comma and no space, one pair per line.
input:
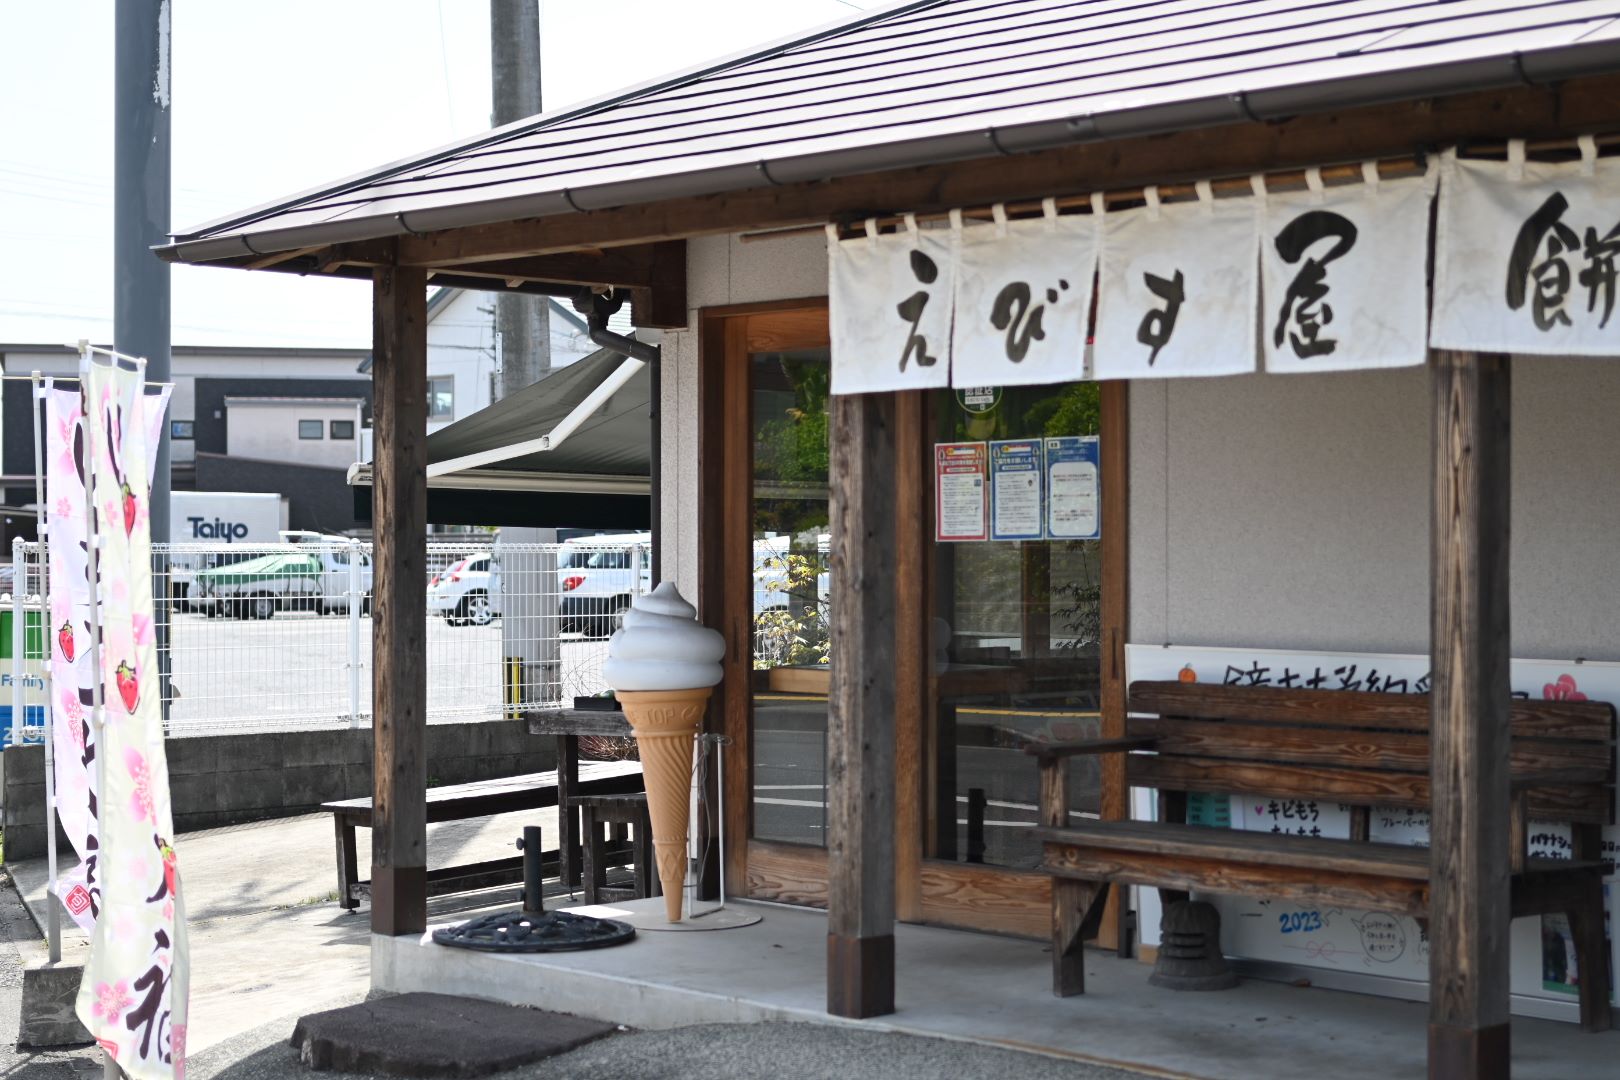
[279,636]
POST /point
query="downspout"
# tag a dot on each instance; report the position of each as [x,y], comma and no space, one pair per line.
[600,308]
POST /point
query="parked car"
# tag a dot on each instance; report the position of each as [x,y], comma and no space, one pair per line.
[597,578]
[309,575]
[467,592]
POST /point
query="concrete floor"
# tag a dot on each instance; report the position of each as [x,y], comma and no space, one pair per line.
[989,990]
[267,937]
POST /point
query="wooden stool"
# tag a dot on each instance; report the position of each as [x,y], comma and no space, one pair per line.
[603,822]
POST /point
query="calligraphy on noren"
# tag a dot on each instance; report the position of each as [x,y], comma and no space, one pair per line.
[1305,311]
[1550,261]
[911,309]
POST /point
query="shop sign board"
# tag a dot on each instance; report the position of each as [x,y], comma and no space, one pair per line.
[1527,255]
[1368,942]
[961,493]
[1073,488]
[1015,489]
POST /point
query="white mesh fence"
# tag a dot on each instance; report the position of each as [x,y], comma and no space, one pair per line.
[279,636]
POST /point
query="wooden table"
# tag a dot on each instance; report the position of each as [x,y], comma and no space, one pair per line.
[568,725]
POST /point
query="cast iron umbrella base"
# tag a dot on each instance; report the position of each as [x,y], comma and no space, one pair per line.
[530,931]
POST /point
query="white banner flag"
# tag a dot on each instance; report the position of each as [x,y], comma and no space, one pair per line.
[1023,299]
[72,678]
[1344,273]
[1179,289]
[1526,254]
[889,300]
[133,994]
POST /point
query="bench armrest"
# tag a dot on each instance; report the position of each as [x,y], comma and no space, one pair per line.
[1049,752]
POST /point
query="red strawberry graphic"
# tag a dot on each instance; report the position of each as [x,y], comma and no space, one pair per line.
[64,641]
[170,871]
[129,512]
[128,688]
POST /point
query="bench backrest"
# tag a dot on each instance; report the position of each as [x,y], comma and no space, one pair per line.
[1354,747]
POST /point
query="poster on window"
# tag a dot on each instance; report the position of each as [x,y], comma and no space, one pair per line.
[1344,275]
[1015,489]
[1073,488]
[1526,252]
[1023,299]
[889,301]
[1360,943]
[1179,289]
[961,493]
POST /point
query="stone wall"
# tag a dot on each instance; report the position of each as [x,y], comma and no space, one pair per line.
[226,779]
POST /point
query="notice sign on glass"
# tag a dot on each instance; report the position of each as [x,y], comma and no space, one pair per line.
[961,496]
[1073,503]
[1015,489]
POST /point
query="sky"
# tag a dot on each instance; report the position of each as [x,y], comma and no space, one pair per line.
[273,98]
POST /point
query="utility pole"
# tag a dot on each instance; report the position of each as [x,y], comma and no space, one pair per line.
[523,322]
[530,626]
[141,207]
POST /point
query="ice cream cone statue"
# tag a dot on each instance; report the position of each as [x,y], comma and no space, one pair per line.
[662,665]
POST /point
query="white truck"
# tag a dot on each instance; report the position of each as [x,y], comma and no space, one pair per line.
[208,519]
[307,572]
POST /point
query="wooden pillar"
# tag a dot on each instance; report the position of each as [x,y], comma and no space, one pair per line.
[399,602]
[1469,648]
[861,730]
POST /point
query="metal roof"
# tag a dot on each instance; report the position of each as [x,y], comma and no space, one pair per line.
[941,80]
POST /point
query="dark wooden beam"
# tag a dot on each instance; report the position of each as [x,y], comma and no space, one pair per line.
[661,303]
[1397,129]
[860,722]
[1469,830]
[399,605]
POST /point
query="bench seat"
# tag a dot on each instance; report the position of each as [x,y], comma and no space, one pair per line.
[1363,750]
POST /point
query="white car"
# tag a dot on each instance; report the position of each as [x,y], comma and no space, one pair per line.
[598,576]
[467,592]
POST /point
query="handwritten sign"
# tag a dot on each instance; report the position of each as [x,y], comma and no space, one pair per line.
[1527,255]
[1343,273]
[1023,299]
[1178,289]
[961,496]
[889,300]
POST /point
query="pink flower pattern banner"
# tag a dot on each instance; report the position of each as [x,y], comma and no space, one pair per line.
[133,994]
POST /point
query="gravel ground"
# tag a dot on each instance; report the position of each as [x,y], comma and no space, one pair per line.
[707,1052]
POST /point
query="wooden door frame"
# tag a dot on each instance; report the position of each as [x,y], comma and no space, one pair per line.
[945,893]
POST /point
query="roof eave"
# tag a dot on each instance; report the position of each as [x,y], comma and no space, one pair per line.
[1467,76]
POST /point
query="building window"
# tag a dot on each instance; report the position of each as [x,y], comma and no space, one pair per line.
[182,429]
[441,398]
[342,429]
[310,429]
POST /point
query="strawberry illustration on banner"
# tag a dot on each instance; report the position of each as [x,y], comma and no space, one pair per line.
[72,680]
[133,994]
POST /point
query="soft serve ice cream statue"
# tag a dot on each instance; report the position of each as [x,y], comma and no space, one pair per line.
[662,665]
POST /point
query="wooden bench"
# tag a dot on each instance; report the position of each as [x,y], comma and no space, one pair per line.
[1361,749]
[482,798]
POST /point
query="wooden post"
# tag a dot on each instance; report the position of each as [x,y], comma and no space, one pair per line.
[1469,649]
[399,602]
[860,723]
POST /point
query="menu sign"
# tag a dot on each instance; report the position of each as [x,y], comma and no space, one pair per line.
[961,496]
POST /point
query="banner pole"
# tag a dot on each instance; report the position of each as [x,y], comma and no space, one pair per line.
[92,532]
[19,578]
[53,914]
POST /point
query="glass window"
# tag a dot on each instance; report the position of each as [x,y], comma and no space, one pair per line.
[792,590]
[1016,633]
[310,429]
[182,429]
[342,429]
[441,398]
